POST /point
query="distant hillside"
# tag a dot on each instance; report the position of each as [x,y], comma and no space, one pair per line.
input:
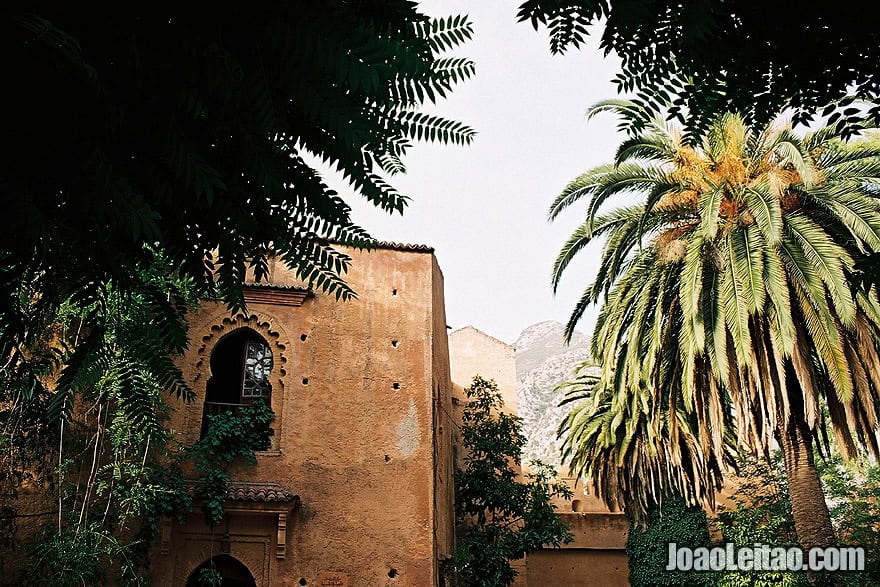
[542,362]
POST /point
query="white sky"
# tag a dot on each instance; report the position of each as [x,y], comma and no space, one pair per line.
[483,207]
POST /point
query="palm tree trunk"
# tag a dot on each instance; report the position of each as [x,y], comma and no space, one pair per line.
[812,522]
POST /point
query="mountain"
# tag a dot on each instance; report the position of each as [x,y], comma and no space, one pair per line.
[542,362]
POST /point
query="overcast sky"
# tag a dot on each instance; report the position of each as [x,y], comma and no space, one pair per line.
[484,207]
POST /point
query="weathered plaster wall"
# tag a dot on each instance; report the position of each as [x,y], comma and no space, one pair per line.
[473,352]
[578,568]
[444,426]
[597,556]
[354,387]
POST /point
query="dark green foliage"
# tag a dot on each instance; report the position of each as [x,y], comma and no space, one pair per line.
[760,512]
[107,477]
[115,476]
[168,127]
[111,346]
[185,127]
[73,558]
[230,436]
[748,56]
[648,547]
[110,548]
[210,576]
[164,495]
[501,517]
[26,441]
[132,496]
[120,342]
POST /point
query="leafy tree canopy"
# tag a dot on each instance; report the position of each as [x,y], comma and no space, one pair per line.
[712,56]
[503,517]
[188,129]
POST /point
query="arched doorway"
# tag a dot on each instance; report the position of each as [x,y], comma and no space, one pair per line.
[234,573]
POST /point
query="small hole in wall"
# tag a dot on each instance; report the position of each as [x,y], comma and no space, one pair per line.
[303,338]
[394,343]
[395,385]
[303,581]
[393,573]
[576,505]
[305,380]
[394,291]
[387,459]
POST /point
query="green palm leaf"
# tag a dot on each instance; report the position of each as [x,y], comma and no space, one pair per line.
[730,273]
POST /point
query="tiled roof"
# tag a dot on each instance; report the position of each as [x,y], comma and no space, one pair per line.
[254,492]
[268,285]
[262,492]
[393,245]
[404,246]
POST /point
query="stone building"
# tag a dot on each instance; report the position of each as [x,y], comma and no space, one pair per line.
[356,488]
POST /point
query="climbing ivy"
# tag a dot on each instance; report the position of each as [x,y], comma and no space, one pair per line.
[229,436]
[210,576]
[648,547]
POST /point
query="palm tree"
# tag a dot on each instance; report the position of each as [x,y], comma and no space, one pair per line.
[635,450]
[726,289]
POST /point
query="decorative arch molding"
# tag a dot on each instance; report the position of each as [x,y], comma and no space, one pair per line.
[221,324]
[214,328]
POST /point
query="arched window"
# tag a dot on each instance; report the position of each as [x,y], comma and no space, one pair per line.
[241,364]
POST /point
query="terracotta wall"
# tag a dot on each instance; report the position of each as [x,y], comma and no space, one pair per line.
[354,387]
[597,556]
[578,568]
[444,427]
[473,352]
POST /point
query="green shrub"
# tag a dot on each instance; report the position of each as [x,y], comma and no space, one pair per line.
[648,547]
[500,516]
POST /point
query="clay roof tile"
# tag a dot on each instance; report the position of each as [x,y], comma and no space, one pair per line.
[261,492]
[404,246]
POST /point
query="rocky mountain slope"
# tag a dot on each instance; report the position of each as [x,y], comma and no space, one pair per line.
[542,362]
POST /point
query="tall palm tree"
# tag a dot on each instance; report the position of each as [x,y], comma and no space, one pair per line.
[726,288]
